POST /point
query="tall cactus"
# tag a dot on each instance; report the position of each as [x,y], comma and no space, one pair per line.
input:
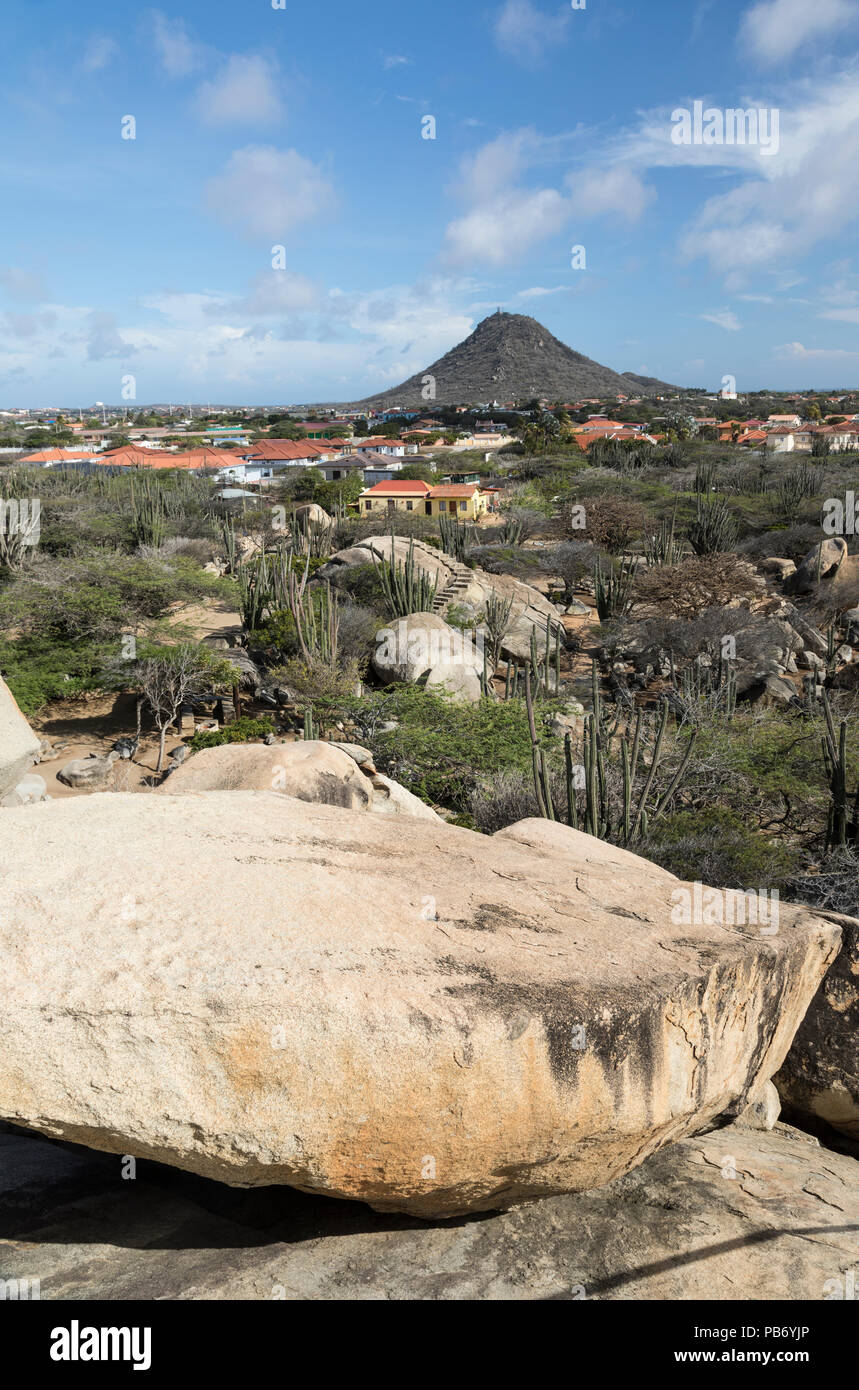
[627,821]
[407,588]
[839,830]
[613,590]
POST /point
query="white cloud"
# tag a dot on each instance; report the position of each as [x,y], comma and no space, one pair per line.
[104,338]
[502,230]
[777,207]
[177,52]
[773,30]
[617,190]
[723,318]
[505,216]
[797,350]
[525,33]
[24,286]
[538,291]
[100,51]
[276,292]
[244,92]
[266,192]
[396,60]
[343,345]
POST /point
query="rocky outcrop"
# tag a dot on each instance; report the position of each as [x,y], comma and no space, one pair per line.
[530,609]
[436,1022]
[31,788]
[308,771]
[820,1076]
[19,746]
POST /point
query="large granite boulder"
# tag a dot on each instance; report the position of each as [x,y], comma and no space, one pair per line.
[94,773]
[461,684]
[309,770]
[467,590]
[820,1075]
[264,991]
[19,746]
[409,648]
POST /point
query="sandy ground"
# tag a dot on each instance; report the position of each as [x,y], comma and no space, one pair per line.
[91,724]
[213,619]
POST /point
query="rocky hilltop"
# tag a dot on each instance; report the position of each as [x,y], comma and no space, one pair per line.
[513,357]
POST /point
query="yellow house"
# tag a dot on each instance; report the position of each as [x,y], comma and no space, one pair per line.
[464,501]
[400,494]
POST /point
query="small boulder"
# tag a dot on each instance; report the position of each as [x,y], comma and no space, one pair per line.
[777,567]
[392,799]
[362,756]
[763,1110]
[823,562]
[31,788]
[92,774]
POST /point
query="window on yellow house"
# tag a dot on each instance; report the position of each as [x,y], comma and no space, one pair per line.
[463,506]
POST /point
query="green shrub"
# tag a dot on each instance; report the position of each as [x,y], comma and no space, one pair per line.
[243,730]
[718,847]
[39,673]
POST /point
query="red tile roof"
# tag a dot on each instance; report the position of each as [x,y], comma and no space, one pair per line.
[455,490]
[403,486]
[56,456]
[285,449]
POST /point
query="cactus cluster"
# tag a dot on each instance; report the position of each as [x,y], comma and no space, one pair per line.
[407,589]
[602,815]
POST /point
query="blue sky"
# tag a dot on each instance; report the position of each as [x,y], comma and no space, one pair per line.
[301,128]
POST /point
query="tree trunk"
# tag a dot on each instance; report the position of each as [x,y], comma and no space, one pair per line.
[161,744]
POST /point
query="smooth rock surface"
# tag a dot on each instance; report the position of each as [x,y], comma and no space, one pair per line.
[460,683]
[408,648]
[821,563]
[19,746]
[734,1214]
[265,991]
[309,770]
[392,799]
[88,774]
[31,788]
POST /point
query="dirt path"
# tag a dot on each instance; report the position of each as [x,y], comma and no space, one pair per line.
[212,619]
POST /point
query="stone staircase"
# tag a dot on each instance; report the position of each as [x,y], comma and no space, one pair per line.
[460,578]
